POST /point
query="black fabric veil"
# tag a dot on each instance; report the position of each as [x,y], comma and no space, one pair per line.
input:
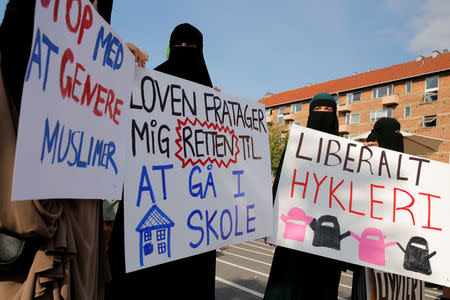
[186,62]
[386,132]
[321,120]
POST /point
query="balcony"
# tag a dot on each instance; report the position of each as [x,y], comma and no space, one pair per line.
[270,118]
[344,107]
[390,100]
[344,128]
[288,116]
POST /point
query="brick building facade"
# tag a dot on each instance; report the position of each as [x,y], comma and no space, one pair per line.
[416,93]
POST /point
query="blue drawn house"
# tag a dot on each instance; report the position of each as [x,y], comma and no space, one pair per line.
[154,233]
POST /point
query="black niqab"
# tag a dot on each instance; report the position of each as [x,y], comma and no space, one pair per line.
[186,62]
[323,120]
[385,132]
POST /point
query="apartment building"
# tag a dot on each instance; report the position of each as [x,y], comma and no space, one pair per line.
[416,93]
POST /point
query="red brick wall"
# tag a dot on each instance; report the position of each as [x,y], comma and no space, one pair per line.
[419,108]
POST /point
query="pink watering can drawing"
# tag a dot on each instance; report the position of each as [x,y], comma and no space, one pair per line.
[296,223]
[372,246]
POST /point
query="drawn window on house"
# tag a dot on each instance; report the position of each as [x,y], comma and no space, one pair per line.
[375,115]
[353,97]
[336,98]
[147,236]
[408,87]
[382,91]
[269,112]
[429,121]
[161,248]
[431,89]
[407,112]
[160,234]
[296,107]
[352,118]
[280,114]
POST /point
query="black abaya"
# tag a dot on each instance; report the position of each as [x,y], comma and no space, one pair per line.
[301,275]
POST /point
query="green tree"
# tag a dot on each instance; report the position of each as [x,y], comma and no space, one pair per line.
[278,136]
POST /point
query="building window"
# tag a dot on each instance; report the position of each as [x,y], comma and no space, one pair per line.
[382,91]
[269,112]
[336,98]
[429,121]
[297,123]
[407,112]
[160,234]
[352,118]
[380,113]
[408,87]
[161,248]
[280,114]
[296,107]
[147,236]
[431,89]
[353,97]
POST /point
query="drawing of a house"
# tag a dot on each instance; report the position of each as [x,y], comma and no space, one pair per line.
[154,233]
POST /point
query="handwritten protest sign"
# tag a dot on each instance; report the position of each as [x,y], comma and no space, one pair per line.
[77,85]
[199,177]
[368,206]
[389,286]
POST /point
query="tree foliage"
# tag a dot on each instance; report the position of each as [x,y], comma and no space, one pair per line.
[278,136]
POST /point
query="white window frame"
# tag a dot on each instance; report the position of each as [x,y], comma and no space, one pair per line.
[429,119]
[351,96]
[377,114]
[269,112]
[294,106]
[390,91]
[281,111]
[404,111]
[410,87]
[429,92]
[348,118]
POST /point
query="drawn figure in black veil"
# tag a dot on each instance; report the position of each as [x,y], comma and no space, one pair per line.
[417,256]
[327,232]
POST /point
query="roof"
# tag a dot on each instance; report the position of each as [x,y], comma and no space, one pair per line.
[406,70]
[155,218]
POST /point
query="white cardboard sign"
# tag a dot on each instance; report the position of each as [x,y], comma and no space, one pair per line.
[368,206]
[199,174]
[392,286]
[76,89]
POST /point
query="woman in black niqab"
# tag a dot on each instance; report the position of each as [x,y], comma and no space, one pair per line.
[188,278]
[325,121]
[301,275]
[186,56]
[386,133]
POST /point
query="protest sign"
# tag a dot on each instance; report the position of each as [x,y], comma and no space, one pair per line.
[384,285]
[368,206]
[199,174]
[77,85]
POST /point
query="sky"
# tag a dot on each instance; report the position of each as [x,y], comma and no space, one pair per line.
[252,47]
